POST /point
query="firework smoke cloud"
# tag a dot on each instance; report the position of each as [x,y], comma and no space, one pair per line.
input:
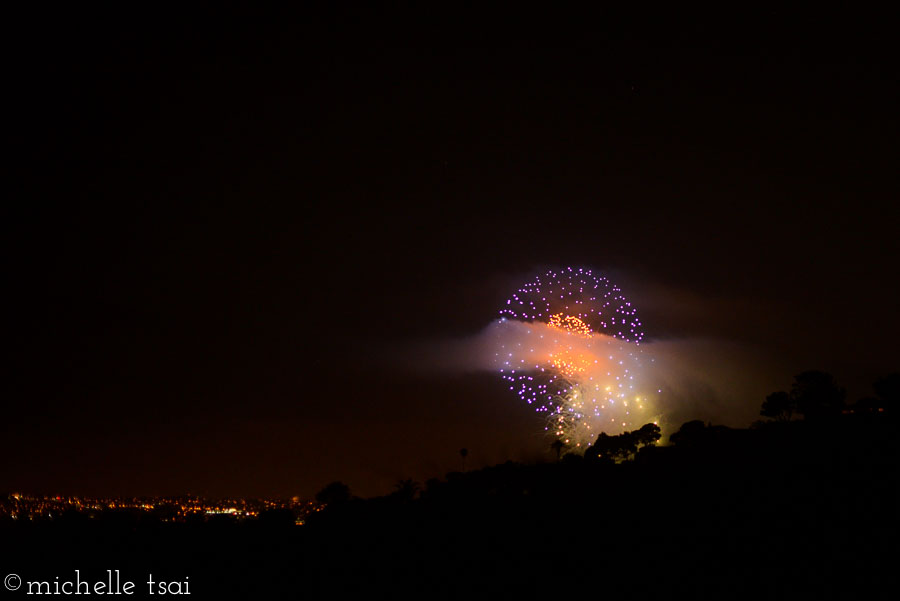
[568,343]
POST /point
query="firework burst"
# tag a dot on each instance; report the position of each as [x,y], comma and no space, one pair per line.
[568,343]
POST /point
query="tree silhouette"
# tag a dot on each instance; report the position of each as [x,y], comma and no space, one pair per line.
[336,493]
[817,395]
[648,435]
[888,391]
[557,445]
[779,406]
[464,452]
[624,445]
[602,448]
[690,434]
[405,490]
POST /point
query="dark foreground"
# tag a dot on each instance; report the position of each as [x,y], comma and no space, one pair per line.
[796,510]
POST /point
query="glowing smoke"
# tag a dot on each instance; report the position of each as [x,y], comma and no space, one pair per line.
[568,343]
[585,383]
[585,373]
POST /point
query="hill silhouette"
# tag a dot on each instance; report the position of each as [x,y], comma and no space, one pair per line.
[798,509]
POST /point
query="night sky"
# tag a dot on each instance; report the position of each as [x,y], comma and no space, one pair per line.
[225,236]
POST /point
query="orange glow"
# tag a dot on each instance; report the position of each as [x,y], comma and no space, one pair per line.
[570,363]
[570,324]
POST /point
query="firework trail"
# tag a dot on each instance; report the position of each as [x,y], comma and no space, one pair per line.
[568,343]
